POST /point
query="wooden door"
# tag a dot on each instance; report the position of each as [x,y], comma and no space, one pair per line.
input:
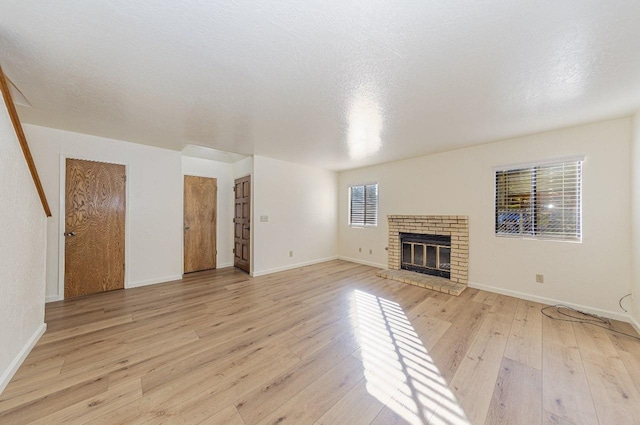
[242,224]
[94,227]
[200,198]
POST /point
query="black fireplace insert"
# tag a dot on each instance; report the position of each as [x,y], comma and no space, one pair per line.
[428,254]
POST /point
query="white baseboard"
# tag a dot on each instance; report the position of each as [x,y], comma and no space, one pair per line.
[24,352]
[53,298]
[624,317]
[223,265]
[366,263]
[153,281]
[635,323]
[291,266]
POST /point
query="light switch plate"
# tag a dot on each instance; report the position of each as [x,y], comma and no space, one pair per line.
[264,218]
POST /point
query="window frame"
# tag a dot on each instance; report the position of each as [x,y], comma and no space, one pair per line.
[534,212]
[364,225]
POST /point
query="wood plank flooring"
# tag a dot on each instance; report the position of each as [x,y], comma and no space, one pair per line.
[326,344]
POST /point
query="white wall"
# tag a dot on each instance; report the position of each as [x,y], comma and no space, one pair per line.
[243,168]
[22,255]
[301,205]
[153,245]
[223,172]
[635,220]
[593,274]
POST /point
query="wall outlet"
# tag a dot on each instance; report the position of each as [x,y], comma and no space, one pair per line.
[290,253]
[359,249]
[371,251]
[264,218]
[539,278]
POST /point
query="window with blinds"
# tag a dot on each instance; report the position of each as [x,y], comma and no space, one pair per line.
[363,205]
[540,201]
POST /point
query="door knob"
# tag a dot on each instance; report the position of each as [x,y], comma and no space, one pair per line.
[69,233]
[187,227]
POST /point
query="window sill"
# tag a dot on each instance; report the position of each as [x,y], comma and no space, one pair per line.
[537,238]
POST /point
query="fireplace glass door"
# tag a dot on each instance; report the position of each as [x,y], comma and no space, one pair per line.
[430,257]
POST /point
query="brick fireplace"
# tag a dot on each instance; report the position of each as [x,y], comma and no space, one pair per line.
[454,226]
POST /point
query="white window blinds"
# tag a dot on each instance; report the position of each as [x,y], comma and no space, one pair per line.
[540,201]
[363,205]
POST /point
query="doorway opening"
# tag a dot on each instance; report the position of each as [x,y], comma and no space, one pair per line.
[242,224]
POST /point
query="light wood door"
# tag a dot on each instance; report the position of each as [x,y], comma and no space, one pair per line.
[94,227]
[200,199]
[242,224]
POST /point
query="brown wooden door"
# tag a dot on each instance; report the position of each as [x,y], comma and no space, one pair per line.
[242,224]
[94,227]
[200,198]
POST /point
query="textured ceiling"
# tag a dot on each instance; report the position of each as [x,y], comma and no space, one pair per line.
[336,84]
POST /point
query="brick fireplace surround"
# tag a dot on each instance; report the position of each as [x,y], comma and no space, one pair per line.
[456,226]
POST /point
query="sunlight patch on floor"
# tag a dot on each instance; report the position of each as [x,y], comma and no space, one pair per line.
[398,369]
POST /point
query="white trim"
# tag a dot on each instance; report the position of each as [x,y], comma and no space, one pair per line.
[224,265]
[635,323]
[292,266]
[529,164]
[62,169]
[62,217]
[349,185]
[53,298]
[22,355]
[153,281]
[535,238]
[624,317]
[366,263]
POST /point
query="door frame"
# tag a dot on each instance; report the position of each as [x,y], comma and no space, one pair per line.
[62,219]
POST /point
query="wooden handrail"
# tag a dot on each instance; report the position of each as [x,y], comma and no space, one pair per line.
[13,114]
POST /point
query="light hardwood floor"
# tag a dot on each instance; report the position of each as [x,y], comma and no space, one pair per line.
[325,344]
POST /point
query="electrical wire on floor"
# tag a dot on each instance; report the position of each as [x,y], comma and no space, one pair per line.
[586,318]
[620,303]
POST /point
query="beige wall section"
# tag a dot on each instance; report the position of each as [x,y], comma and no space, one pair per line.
[593,274]
[22,255]
[301,205]
[223,172]
[154,201]
[635,220]
[243,168]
